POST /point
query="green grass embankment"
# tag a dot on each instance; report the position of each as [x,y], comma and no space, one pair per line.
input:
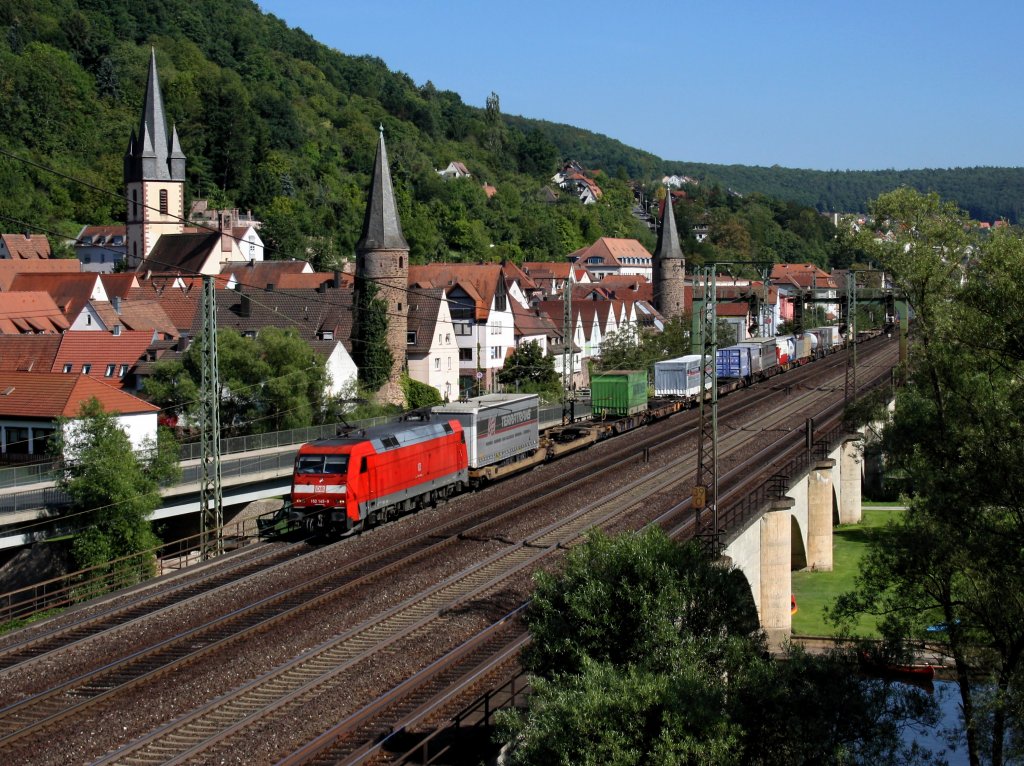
[815,590]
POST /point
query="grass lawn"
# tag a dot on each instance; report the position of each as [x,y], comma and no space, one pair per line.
[814,590]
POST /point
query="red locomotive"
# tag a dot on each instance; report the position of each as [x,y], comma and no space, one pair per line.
[368,476]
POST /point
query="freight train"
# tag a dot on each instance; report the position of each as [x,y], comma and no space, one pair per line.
[367,476]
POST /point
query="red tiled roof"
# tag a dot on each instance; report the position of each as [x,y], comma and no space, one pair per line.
[30,312]
[69,291]
[10,269]
[52,395]
[179,304]
[106,353]
[802,275]
[28,353]
[26,246]
[118,285]
[259,274]
[479,280]
[611,250]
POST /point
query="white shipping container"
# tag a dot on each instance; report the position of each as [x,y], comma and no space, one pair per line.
[763,355]
[497,426]
[678,377]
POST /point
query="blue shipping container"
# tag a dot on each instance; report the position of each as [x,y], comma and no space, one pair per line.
[733,362]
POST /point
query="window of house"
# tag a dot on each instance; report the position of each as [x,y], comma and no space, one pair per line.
[88,319]
[86,368]
[163,202]
[439,338]
[496,352]
[17,440]
[465,355]
[410,338]
[447,337]
[40,440]
[110,371]
[122,371]
[463,328]
[67,367]
[399,306]
[449,363]
[437,363]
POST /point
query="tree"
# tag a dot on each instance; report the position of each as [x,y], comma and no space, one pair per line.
[370,338]
[272,382]
[419,394]
[116,487]
[954,560]
[646,652]
[529,369]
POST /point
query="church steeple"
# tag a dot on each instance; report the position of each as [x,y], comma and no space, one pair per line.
[382,259]
[154,175]
[152,155]
[669,265]
[382,230]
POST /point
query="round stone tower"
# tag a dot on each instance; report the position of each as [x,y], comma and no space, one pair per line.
[382,259]
[669,266]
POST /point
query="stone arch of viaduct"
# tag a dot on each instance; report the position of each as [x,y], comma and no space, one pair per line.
[796,532]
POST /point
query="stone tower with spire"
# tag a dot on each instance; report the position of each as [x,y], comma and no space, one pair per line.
[382,258]
[154,176]
[669,265]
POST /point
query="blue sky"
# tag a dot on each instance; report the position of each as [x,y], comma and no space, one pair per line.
[798,83]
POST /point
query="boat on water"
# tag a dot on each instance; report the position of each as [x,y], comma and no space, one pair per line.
[874,665]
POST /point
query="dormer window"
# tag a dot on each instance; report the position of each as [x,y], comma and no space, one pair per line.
[110,371]
[410,338]
[123,371]
[68,367]
[86,368]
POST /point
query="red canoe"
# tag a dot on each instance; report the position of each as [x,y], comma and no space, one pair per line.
[880,667]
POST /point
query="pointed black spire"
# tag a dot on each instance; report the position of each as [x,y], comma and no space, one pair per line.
[668,237]
[382,229]
[152,154]
[669,265]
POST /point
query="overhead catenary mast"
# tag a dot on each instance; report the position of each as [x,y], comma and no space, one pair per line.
[211,501]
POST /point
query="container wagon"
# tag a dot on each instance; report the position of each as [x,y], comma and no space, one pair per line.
[679,377]
[502,433]
[618,393]
[734,362]
[763,357]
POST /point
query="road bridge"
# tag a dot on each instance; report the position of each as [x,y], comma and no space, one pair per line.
[252,468]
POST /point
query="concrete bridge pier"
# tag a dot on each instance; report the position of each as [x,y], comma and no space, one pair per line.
[775,576]
[851,464]
[819,516]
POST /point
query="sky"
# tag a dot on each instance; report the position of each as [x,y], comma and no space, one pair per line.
[799,83]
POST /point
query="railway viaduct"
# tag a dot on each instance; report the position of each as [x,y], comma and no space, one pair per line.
[796,532]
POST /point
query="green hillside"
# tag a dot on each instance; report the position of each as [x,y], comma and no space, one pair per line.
[273,121]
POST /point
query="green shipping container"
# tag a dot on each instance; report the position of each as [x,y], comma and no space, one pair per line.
[618,392]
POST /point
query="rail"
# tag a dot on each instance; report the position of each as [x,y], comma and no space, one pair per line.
[75,587]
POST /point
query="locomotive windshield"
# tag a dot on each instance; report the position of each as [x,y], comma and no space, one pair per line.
[321,464]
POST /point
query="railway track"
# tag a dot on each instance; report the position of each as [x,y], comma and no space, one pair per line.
[90,693]
[292,687]
[148,601]
[419,704]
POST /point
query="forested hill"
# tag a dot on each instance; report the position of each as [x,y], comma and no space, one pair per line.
[987,193]
[274,121]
